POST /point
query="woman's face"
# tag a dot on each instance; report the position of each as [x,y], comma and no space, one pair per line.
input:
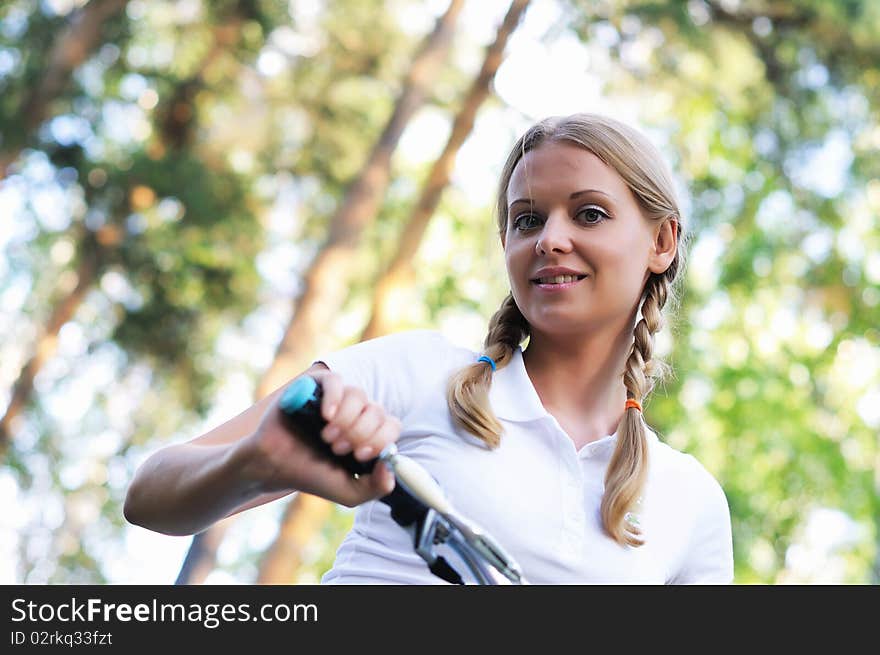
[570,214]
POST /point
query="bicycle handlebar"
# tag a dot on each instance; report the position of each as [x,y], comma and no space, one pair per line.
[417,501]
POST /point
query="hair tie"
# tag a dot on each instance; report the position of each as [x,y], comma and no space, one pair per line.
[632,402]
[489,360]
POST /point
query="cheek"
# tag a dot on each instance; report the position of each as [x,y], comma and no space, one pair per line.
[626,268]
[516,263]
[514,257]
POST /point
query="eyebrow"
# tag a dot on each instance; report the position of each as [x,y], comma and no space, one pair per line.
[574,195]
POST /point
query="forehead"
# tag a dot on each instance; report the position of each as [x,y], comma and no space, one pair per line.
[562,165]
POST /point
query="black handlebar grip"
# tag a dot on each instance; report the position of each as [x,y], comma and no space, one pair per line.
[300,406]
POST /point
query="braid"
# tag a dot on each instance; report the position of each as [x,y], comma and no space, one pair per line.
[641,366]
[467,392]
[507,327]
[628,468]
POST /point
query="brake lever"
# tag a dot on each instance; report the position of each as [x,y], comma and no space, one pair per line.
[424,488]
[490,549]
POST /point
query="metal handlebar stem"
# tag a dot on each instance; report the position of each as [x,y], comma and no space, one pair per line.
[489,563]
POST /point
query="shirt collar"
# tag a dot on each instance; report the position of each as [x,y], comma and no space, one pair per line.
[513,398]
[512,395]
[603,448]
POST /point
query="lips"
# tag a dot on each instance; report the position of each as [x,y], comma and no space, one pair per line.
[555,286]
[557,275]
[558,279]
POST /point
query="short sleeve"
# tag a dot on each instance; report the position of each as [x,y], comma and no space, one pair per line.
[391,369]
[709,555]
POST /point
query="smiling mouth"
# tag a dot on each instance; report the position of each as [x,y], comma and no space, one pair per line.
[557,279]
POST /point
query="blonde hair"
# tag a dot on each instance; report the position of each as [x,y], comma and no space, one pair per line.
[641,166]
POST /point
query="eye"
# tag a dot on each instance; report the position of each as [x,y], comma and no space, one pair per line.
[592,214]
[526,221]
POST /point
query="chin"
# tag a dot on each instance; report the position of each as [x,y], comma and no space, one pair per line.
[561,324]
[573,319]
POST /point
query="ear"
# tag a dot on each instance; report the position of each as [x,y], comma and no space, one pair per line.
[664,246]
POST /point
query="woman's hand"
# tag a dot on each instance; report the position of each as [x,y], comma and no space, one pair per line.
[276,459]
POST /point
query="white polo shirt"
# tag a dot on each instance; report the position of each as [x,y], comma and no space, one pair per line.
[536,494]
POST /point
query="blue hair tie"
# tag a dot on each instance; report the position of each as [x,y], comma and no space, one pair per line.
[488,360]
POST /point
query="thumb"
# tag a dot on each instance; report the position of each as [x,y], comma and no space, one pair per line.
[380,482]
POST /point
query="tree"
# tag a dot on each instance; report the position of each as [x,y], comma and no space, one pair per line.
[324,283]
[167,225]
[750,96]
[48,80]
[145,180]
[399,270]
[282,561]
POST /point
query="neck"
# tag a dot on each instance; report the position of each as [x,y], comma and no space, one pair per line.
[581,378]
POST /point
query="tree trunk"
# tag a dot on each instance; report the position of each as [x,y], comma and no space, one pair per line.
[325,282]
[79,39]
[177,124]
[76,42]
[202,554]
[304,516]
[91,253]
[177,119]
[399,272]
[176,129]
[438,179]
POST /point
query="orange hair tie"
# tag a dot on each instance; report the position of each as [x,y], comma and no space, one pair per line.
[632,402]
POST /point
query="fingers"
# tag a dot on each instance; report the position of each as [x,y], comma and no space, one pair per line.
[387,432]
[354,424]
[333,388]
[350,406]
[360,426]
[352,492]
[345,429]
[381,481]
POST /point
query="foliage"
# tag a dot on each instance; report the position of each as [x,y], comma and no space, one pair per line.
[200,149]
[758,99]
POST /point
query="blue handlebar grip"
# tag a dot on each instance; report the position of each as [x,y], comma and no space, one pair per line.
[298,393]
[300,406]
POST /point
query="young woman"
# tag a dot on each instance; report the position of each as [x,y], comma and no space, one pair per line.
[545,447]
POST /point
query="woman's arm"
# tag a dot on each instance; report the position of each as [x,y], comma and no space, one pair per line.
[253,459]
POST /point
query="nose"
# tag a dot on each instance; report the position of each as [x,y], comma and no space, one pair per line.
[554,235]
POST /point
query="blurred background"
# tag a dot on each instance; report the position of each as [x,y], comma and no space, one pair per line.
[199,198]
